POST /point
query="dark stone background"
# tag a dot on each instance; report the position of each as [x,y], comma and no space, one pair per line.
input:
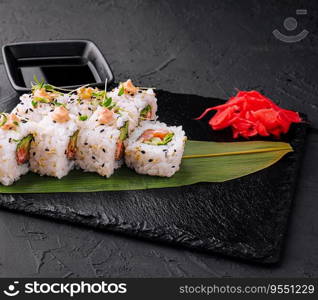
[208,48]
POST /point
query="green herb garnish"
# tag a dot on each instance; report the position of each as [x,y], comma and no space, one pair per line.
[37,100]
[58,103]
[99,94]
[4,119]
[107,102]
[37,84]
[82,118]
[34,104]
[41,99]
[41,84]
[121,91]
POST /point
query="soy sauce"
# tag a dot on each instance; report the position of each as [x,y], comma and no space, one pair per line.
[59,71]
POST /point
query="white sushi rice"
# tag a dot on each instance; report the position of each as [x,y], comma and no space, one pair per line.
[81,107]
[26,110]
[122,115]
[97,148]
[144,98]
[155,160]
[10,170]
[127,112]
[48,151]
[141,99]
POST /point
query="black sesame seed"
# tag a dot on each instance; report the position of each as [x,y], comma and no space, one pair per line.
[89,108]
[24,121]
[31,109]
[51,110]
[104,150]
[54,121]
[47,149]
[33,153]
[27,110]
[85,144]
[79,114]
[173,166]
[103,165]
[93,157]
[10,140]
[150,160]
[165,150]
[143,152]
[102,130]
[174,150]
[65,152]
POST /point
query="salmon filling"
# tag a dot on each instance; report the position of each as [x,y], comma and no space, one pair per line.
[23,150]
[156,137]
[72,146]
[146,113]
[120,143]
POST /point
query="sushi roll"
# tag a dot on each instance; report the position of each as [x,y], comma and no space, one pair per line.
[98,143]
[29,110]
[126,112]
[155,149]
[38,104]
[15,141]
[111,124]
[84,102]
[55,143]
[143,99]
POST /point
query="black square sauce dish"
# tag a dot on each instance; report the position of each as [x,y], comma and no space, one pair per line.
[62,63]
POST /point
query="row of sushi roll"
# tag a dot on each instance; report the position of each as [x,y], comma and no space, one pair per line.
[51,131]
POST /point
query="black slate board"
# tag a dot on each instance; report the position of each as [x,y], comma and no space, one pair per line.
[244,218]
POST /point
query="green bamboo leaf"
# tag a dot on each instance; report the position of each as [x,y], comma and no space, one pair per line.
[203,162]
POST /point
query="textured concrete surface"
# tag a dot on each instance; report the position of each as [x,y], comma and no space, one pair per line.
[200,47]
